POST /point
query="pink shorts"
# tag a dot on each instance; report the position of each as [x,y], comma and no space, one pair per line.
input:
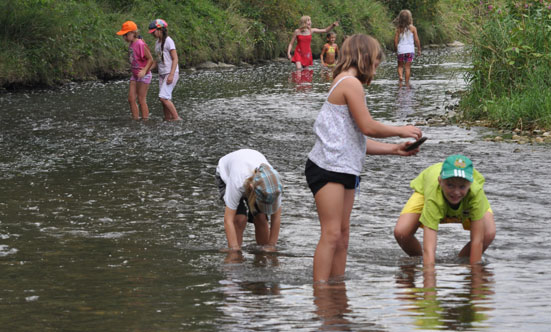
[146,79]
[406,57]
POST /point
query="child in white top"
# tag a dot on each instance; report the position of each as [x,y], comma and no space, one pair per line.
[405,41]
[168,67]
[335,162]
[251,190]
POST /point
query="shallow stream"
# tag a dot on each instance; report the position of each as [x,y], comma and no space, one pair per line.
[110,224]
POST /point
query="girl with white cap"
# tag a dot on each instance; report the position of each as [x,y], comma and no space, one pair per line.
[167,63]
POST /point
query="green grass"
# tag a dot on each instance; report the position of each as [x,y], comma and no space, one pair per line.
[511,74]
[47,42]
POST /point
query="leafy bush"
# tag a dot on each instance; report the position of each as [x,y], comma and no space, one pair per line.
[511,59]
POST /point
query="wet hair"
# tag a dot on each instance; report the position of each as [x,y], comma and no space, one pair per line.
[362,52]
[303,25]
[404,20]
[250,193]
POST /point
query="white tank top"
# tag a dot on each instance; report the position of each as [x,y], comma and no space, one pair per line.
[340,145]
[406,43]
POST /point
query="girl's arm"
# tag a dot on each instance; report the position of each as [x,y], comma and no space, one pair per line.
[416,39]
[291,44]
[396,39]
[323,51]
[429,246]
[174,56]
[229,226]
[149,64]
[477,238]
[327,29]
[275,222]
[352,93]
[374,147]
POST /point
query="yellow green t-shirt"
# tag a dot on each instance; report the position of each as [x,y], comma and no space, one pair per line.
[436,209]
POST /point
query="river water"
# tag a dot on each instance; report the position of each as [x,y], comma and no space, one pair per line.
[109,224]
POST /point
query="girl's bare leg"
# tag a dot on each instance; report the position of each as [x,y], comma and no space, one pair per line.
[240,223]
[142,99]
[261,229]
[132,95]
[299,65]
[330,206]
[489,235]
[169,110]
[341,253]
[400,70]
[404,232]
[408,71]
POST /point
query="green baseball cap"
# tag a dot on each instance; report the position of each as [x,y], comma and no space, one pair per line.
[457,166]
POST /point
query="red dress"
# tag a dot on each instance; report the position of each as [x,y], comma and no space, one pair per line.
[303,53]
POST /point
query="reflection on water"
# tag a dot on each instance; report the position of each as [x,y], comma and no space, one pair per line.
[111,224]
[404,100]
[460,301]
[332,306]
[302,79]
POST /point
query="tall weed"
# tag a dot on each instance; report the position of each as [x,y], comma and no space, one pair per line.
[511,59]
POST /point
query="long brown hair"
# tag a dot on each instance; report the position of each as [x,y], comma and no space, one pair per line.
[361,52]
[404,20]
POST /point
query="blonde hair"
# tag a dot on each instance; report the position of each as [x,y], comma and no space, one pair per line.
[250,193]
[303,25]
[362,52]
[404,20]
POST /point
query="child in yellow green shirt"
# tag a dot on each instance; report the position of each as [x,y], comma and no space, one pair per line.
[448,192]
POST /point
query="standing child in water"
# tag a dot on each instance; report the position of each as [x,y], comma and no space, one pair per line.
[167,62]
[330,51]
[141,62]
[335,162]
[303,35]
[405,41]
[448,192]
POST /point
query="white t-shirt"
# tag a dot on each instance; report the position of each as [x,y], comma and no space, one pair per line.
[164,67]
[234,168]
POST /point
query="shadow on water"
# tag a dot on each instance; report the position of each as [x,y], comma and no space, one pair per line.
[112,224]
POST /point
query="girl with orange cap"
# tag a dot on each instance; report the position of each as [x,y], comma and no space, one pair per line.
[141,62]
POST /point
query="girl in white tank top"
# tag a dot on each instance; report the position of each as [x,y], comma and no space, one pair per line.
[341,144]
[405,41]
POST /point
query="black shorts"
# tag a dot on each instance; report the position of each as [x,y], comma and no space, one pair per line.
[243,207]
[318,177]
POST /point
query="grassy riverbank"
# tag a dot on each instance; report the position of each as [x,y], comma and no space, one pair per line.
[47,42]
[510,81]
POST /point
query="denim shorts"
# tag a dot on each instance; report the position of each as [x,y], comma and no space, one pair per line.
[318,177]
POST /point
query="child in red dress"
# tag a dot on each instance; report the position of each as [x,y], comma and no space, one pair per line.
[303,35]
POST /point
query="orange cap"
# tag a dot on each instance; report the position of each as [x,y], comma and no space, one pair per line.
[127,27]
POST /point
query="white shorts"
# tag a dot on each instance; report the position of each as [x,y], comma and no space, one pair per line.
[165,90]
